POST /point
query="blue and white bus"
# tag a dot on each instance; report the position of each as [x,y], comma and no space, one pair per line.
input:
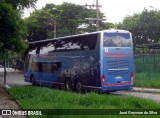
[101,61]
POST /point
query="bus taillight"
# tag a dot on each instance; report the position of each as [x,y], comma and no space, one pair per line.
[132,77]
[103,80]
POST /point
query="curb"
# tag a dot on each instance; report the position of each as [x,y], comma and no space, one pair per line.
[145,90]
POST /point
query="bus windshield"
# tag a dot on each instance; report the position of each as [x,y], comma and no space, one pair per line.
[117,40]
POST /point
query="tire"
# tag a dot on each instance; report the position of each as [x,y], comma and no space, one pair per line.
[78,86]
[67,85]
[33,80]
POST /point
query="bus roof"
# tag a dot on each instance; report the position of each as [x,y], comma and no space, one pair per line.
[84,34]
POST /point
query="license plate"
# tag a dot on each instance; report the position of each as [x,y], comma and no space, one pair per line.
[118,77]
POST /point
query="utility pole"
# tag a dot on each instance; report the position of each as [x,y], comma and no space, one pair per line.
[97,13]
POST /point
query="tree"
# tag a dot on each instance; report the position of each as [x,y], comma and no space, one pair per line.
[67,17]
[12,29]
[144,26]
[150,25]
[39,26]
[21,4]
[106,25]
[12,32]
[73,16]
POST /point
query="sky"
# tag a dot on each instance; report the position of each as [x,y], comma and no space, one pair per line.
[114,10]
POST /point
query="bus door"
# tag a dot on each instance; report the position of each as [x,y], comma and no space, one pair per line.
[117,59]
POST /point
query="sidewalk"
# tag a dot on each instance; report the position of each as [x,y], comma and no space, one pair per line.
[145,90]
[6,102]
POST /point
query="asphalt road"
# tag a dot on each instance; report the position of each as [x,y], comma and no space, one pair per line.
[151,96]
[13,78]
[16,78]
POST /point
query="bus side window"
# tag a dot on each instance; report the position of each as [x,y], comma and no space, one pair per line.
[56,66]
[40,67]
[88,42]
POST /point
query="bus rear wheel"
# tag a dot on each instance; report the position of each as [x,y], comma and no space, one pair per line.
[67,85]
[78,86]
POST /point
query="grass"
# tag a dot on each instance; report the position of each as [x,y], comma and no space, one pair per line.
[147,80]
[147,69]
[29,97]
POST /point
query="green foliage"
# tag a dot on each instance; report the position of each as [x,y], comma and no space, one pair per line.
[39,25]
[107,25]
[22,4]
[144,26]
[66,17]
[12,29]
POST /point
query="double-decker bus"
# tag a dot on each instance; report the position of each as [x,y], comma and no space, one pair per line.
[101,61]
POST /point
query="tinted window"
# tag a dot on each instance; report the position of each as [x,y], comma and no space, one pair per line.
[87,42]
[48,67]
[117,40]
[84,42]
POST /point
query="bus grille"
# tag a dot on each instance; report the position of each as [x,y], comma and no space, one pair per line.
[120,67]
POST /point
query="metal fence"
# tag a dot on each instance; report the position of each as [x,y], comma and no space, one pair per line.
[147,63]
[147,66]
[147,59]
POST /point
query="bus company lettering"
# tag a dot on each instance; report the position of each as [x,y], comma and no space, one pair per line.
[117,55]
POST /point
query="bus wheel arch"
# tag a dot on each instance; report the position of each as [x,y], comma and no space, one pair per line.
[67,84]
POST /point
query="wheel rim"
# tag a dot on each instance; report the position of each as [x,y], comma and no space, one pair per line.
[33,81]
[78,86]
[67,85]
